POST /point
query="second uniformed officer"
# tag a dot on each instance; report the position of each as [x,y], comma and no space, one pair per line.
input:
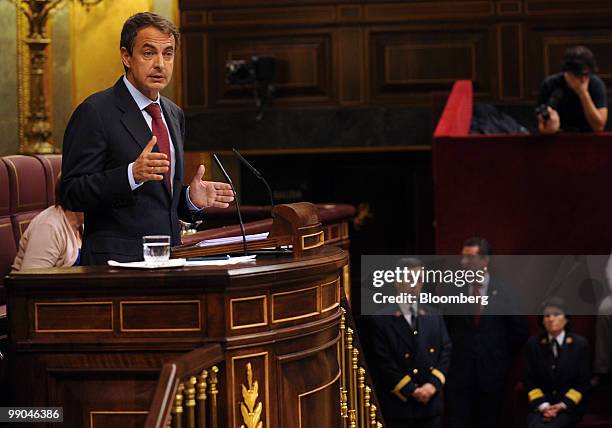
[411,354]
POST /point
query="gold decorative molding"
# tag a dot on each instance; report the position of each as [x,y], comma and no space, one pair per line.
[249,408]
[266,379]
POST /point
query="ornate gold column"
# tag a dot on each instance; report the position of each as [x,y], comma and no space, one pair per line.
[37,136]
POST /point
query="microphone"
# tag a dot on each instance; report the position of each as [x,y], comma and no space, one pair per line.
[256,174]
[229,180]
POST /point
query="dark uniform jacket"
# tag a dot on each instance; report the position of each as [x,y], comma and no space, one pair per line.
[405,358]
[483,351]
[564,380]
[104,135]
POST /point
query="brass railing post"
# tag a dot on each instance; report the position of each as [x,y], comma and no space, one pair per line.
[202,399]
[213,391]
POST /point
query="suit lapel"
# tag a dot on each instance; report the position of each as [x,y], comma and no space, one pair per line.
[132,117]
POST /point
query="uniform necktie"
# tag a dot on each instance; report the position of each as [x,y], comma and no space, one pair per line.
[163,138]
[555,349]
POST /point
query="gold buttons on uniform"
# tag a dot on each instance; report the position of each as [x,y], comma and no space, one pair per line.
[432,350]
[407,355]
[415,371]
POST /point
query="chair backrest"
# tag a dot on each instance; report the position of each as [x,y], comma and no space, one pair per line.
[8,249]
[53,166]
[28,191]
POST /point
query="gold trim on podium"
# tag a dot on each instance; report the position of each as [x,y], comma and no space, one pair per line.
[266,379]
[249,408]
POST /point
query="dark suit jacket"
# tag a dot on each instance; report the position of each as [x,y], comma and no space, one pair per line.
[104,135]
[566,379]
[482,353]
[404,360]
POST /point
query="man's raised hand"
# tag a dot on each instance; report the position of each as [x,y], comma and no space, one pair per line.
[150,166]
[205,194]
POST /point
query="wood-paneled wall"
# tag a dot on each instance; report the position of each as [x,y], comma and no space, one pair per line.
[339,53]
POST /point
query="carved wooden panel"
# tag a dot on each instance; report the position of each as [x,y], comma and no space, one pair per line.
[566,7]
[251,16]
[248,312]
[407,11]
[66,317]
[330,295]
[296,304]
[195,70]
[407,63]
[510,61]
[509,7]
[160,315]
[317,394]
[351,70]
[373,52]
[303,66]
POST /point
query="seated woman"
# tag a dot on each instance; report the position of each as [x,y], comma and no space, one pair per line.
[558,371]
[52,239]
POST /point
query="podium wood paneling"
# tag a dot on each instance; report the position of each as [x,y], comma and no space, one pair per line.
[93,340]
[362,52]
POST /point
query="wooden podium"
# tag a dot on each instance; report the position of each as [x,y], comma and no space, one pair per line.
[93,339]
[296,225]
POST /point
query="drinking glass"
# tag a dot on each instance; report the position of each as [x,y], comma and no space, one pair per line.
[156,249]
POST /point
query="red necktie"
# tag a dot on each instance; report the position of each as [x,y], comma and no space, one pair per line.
[161,132]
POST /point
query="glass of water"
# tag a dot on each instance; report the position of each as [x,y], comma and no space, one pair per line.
[156,249]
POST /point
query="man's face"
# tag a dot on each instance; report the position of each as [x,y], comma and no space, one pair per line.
[554,320]
[472,260]
[152,60]
[411,287]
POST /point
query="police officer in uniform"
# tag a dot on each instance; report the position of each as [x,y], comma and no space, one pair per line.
[558,371]
[411,354]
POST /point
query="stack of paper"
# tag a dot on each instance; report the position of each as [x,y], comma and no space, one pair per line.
[232,240]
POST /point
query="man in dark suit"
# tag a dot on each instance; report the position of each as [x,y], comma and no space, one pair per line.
[483,345]
[410,355]
[123,153]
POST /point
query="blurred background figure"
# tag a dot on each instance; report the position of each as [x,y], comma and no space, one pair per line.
[558,371]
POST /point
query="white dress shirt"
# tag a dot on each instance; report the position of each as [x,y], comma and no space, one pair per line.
[143,101]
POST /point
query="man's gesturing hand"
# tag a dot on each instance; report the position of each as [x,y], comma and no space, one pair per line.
[150,165]
[205,194]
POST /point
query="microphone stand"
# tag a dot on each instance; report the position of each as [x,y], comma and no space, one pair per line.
[229,180]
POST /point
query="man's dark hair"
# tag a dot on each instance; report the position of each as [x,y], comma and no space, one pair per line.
[559,303]
[409,262]
[578,58]
[484,248]
[142,20]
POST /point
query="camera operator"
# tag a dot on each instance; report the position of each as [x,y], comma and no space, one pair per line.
[575,99]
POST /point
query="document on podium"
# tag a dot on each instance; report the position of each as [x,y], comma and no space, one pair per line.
[232,240]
